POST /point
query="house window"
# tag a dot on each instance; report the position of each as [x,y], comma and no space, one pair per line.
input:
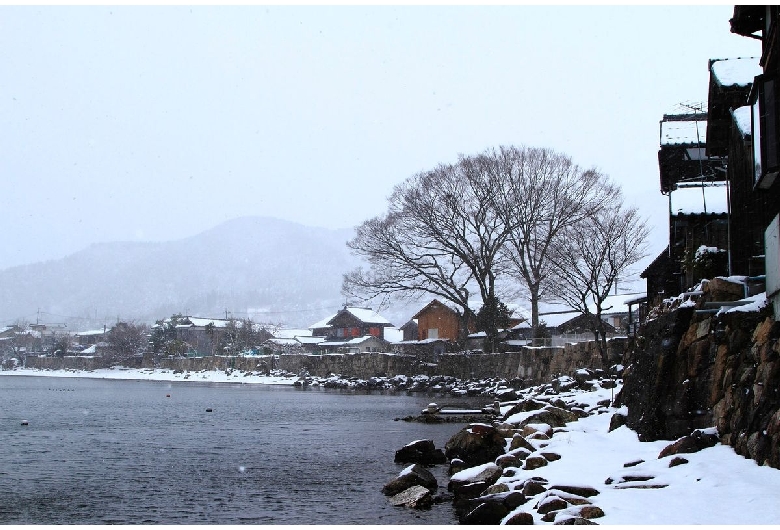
[355,332]
[375,332]
[433,333]
[764,124]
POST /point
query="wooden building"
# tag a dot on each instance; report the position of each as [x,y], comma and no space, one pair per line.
[439,321]
[698,208]
[351,322]
[761,22]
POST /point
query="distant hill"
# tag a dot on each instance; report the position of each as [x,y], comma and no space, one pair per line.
[269,270]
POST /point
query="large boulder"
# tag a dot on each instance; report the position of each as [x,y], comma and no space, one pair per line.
[553,416]
[414,497]
[693,443]
[478,443]
[414,475]
[488,473]
[420,452]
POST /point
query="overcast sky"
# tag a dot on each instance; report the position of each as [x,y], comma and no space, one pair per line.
[156,123]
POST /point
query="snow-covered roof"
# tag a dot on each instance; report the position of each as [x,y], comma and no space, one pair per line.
[741,117]
[89,333]
[292,333]
[283,342]
[368,316]
[684,132]
[423,341]
[218,322]
[310,340]
[89,351]
[738,72]
[709,199]
[323,323]
[351,342]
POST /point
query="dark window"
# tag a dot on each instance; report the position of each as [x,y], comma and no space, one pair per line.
[766,155]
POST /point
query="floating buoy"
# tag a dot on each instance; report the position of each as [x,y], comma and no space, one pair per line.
[208,410]
[25,423]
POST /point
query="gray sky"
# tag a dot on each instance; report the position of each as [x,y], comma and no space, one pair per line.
[156,123]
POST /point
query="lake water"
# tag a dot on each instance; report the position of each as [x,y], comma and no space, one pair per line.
[122,452]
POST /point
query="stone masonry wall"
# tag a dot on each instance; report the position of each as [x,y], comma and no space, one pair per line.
[532,365]
[693,370]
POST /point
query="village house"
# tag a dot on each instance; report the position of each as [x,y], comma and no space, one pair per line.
[742,149]
[351,322]
[698,208]
[761,155]
[352,330]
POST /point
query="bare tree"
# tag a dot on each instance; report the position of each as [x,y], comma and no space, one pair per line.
[440,236]
[592,255]
[538,194]
[126,339]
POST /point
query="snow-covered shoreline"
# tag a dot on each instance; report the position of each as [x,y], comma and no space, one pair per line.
[150,374]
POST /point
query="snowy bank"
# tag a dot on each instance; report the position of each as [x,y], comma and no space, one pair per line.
[150,374]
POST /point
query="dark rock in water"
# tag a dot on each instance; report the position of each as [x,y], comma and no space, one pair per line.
[508,501]
[478,443]
[456,465]
[488,473]
[415,497]
[467,490]
[693,443]
[415,475]
[420,452]
[486,513]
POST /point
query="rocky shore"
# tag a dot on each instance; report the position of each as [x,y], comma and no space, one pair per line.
[496,467]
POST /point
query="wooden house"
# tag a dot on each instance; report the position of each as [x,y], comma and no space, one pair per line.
[729,135]
[763,156]
[439,321]
[351,322]
[698,208]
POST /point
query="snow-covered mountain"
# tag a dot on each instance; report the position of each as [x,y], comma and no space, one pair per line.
[262,268]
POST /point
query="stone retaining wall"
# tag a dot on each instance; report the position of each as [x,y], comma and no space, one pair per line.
[532,365]
[692,371]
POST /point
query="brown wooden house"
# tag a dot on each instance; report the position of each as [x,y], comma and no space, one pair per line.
[351,322]
[729,135]
[698,208]
[763,155]
[439,321]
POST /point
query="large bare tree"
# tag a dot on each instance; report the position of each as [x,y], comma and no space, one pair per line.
[538,193]
[591,257]
[440,235]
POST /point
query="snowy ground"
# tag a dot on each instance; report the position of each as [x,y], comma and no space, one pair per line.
[717,486]
[149,374]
